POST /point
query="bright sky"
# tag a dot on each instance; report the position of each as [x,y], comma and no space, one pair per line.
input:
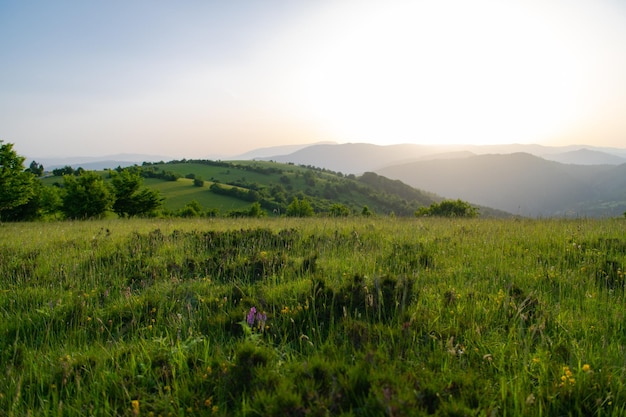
[201,78]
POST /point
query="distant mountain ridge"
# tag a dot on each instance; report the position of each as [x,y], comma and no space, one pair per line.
[521,183]
[98,162]
[586,156]
[356,158]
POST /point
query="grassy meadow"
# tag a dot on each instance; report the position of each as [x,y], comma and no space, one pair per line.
[313,317]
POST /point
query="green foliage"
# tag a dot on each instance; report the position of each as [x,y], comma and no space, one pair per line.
[85,196]
[35,168]
[339,210]
[299,208]
[130,199]
[66,170]
[44,204]
[448,208]
[198,182]
[274,185]
[16,186]
[192,209]
[359,316]
[256,210]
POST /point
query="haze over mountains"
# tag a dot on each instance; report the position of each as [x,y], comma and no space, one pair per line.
[528,180]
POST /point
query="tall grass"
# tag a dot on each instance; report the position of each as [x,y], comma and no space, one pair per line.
[353,316]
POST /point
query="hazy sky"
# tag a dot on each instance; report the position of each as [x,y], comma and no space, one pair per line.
[204,78]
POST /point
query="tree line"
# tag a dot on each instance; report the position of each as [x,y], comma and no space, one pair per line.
[85,194]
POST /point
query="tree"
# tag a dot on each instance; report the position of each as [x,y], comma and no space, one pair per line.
[45,202]
[256,210]
[66,170]
[448,208]
[130,199]
[339,210]
[85,196]
[191,209]
[35,168]
[16,185]
[299,208]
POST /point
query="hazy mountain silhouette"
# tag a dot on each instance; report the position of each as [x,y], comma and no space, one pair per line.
[98,162]
[586,157]
[521,183]
[356,158]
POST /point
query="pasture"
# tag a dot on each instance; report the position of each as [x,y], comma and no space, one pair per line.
[313,317]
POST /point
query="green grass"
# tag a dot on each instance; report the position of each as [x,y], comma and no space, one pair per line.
[178,193]
[364,317]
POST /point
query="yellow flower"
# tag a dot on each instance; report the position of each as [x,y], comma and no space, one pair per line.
[208,402]
[586,367]
[135,406]
[214,409]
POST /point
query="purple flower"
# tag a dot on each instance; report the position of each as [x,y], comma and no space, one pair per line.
[250,316]
[261,318]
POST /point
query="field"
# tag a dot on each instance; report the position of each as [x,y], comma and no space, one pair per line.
[315,317]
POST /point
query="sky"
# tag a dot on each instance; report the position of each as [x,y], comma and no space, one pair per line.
[200,79]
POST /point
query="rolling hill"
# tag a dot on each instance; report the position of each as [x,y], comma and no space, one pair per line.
[521,183]
[235,185]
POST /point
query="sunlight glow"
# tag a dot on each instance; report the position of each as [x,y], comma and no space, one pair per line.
[492,74]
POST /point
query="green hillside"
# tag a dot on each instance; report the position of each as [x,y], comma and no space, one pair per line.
[233,188]
[236,185]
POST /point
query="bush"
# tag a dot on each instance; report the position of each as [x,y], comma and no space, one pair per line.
[448,208]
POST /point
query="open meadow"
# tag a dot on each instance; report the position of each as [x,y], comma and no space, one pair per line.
[370,316]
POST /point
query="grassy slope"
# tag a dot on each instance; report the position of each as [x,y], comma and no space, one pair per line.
[178,193]
[358,196]
[363,317]
[380,194]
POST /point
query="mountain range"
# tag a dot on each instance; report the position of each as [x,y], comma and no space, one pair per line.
[527,180]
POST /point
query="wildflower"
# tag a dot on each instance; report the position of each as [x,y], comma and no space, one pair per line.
[261,318]
[536,360]
[586,367]
[567,377]
[208,402]
[214,409]
[134,404]
[250,316]
[285,310]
